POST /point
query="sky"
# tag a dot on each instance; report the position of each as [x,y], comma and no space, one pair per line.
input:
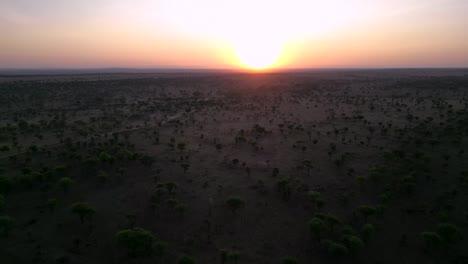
[221,34]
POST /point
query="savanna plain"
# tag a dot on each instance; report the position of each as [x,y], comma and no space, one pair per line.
[324,166]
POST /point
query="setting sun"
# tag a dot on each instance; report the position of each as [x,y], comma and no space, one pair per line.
[257,51]
[258,55]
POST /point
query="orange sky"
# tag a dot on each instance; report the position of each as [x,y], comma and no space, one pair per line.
[233,34]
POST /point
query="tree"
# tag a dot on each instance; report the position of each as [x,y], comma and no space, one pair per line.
[354,243]
[185,167]
[233,255]
[449,232]
[185,260]
[65,183]
[83,210]
[51,204]
[367,211]
[227,255]
[432,240]
[366,231]
[138,241]
[308,165]
[5,185]
[336,249]
[6,224]
[2,202]
[235,203]
[332,221]
[289,260]
[316,226]
[171,186]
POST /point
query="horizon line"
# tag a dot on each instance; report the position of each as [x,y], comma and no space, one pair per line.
[129,70]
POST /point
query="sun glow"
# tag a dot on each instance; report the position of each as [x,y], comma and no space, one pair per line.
[257,49]
[257,54]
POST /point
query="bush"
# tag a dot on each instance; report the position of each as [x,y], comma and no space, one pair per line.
[138,241]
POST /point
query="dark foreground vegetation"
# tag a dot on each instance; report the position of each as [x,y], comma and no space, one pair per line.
[305,167]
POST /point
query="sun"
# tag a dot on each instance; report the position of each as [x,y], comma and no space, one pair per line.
[258,53]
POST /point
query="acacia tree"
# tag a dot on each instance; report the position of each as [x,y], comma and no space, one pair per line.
[336,249]
[6,224]
[366,231]
[432,240]
[185,260]
[138,241]
[354,243]
[83,210]
[367,211]
[2,202]
[234,203]
[449,232]
[289,260]
[65,184]
[316,226]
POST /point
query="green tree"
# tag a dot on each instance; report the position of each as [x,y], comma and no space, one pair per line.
[83,210]
[185,260]
[2,202]
[51,204]
[138,241]
[65,183]
[316,226]
[332,221]
[6,224]
[336,249]
[366,231]
[235,203]
[449,232]
[367,211]
[432,240]
[353,243]
[5,185]
[289,260]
